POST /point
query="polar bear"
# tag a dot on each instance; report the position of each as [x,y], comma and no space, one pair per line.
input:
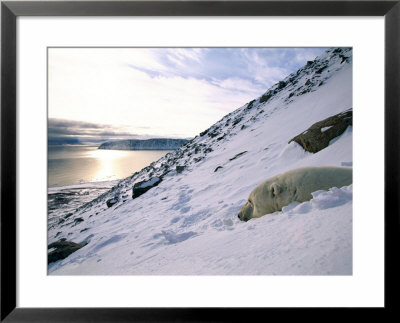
[295,185]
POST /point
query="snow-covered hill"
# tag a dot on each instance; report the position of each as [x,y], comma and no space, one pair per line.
[188,224]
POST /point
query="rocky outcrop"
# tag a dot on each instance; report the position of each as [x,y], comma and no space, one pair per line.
[112,201]
[149,144]
[318,136]
[180,169]
[143,186]
[237,155]
[61,249]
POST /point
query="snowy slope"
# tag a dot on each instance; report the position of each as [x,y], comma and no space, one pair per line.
[188,223]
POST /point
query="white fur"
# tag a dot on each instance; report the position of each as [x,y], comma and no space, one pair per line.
[295,185]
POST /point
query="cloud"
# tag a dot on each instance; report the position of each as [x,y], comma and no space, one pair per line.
[160,91]
[270,65]
[85,131]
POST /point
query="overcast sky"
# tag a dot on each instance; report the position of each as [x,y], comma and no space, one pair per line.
[114,93]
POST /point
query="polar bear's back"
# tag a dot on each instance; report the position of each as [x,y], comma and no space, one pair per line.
[306,180]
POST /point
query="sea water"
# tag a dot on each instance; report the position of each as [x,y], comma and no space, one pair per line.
[77,164]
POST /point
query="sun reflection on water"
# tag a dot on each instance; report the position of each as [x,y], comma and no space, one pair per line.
[117,164]
[109,161]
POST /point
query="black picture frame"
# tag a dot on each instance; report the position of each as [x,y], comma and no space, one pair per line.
[11,10]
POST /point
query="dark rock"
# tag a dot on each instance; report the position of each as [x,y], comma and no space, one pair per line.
[250,104]
[321,70]
[220,138]
[112,201]
[237,155]
[180,169]
[208,150]
[62,250]
[317,138]
[196,160]
[266,97]
[309,63]
[219,167]
[281,85]
[142,187]
[78,220]
[203,133]
[213,134]
[67,215]
[236,121]
[344,58]
[304,91]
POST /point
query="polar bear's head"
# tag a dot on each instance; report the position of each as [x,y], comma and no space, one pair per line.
[262,200]
[246,213]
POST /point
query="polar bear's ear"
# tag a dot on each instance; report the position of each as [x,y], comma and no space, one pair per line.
[275,189]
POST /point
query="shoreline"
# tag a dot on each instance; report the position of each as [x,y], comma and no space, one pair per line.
[65,200]
[86,185]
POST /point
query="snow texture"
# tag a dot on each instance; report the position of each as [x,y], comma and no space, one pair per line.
[150,182]
[325,128]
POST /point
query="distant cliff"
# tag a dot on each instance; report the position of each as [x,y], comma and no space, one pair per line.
[149,144]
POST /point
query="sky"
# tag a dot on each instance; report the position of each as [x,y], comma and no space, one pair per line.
[99,94]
